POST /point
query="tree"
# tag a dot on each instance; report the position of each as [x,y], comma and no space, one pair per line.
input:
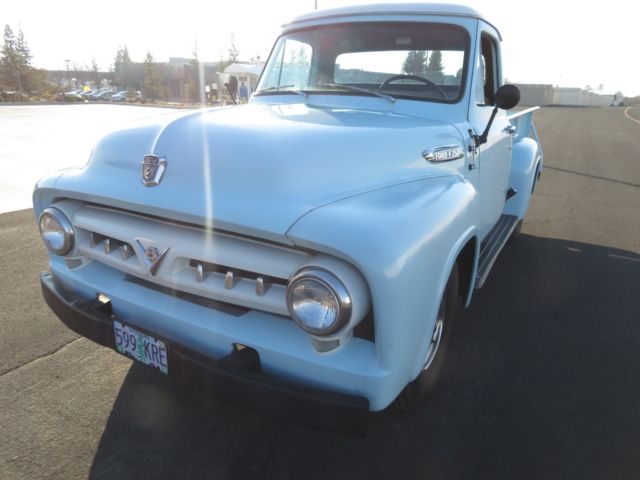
[95,73]
[415,63]
[24,62]
[152,87]
[16,71]
[234,53]
[122,67]
[8,59]
[435,69]
[81,74]
[195,82]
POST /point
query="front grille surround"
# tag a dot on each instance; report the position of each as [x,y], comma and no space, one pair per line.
[219,266]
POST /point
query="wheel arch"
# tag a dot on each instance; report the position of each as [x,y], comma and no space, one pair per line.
[464,253]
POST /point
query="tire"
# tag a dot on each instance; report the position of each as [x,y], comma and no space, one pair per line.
[415,393]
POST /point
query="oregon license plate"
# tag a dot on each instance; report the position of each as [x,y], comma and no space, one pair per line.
[141,347]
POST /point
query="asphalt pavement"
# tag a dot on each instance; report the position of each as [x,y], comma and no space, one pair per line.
[542,379]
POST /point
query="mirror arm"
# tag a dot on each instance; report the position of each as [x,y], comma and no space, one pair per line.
[482,139]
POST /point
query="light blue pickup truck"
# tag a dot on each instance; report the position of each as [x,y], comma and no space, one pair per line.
[304,255]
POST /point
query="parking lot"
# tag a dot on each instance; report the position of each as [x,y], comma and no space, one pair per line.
[542,379]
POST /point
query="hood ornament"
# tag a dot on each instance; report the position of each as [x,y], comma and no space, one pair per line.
[153,167]
[153,255]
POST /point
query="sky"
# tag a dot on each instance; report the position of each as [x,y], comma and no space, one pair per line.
[569,44]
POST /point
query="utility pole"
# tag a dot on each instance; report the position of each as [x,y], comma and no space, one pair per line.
[68,75]
[316,4]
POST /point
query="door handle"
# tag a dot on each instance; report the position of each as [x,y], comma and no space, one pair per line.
[511,129]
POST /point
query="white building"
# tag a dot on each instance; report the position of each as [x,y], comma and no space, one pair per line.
[247,75]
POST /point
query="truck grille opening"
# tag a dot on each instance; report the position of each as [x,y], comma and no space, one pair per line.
[233,275]
[111,246]
[235,310]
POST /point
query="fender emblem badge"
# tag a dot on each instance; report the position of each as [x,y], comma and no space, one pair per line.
[444,153]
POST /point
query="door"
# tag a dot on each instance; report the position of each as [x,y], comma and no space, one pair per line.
[492,159]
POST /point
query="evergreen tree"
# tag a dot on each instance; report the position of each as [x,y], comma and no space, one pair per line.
[122,67]
[8,59]
[415,63]
[23,52]
[435,69]
[16,72]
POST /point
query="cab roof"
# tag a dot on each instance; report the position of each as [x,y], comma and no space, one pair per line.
[433,9]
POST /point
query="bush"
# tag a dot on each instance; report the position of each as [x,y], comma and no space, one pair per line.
[8,96]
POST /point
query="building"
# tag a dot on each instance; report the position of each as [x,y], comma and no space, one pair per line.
[247,74]
[542,94]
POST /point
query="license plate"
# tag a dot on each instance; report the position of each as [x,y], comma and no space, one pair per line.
[141,347]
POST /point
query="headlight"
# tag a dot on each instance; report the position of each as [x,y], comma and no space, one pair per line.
[318,301]
[56,230]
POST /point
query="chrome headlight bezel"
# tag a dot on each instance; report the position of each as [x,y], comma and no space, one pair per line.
[65,226]
[334,287]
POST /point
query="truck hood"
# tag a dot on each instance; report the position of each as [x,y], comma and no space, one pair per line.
[256,169]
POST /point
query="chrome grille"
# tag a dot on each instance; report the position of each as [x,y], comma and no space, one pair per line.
[214,265]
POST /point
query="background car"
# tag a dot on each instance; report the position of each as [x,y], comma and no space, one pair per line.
[103,96]
[121,96]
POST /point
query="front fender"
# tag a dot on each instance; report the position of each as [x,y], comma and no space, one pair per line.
[404,239]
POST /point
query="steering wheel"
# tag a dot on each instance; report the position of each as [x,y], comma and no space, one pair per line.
[413,77]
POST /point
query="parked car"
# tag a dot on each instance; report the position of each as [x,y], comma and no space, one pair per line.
[103,96]
[306,254]
[121,96]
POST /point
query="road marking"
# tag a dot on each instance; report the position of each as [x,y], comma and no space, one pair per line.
[626,113]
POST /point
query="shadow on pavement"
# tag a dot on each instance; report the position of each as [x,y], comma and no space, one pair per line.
[542,381]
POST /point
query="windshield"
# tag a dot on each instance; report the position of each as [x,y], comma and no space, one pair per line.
[422,61]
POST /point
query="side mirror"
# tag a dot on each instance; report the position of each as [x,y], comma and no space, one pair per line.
[507,97]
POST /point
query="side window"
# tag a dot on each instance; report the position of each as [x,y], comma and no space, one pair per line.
[490,68]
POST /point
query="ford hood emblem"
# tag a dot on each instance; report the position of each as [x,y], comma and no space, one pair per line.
[153,168]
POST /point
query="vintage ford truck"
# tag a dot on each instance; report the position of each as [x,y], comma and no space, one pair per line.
[304,254]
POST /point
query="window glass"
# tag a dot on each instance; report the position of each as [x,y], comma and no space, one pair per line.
[292,65]
[442,68]
[424,61]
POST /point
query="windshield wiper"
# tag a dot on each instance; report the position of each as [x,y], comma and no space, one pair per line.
[359,89]
[279,89]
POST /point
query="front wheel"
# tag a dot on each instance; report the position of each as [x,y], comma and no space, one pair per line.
[414,393]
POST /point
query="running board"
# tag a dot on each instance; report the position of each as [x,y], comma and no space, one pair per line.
[492,246]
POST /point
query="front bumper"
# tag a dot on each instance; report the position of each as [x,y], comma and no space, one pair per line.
[231,378]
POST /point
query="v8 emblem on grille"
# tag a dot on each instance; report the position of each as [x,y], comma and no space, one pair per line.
[153,256]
